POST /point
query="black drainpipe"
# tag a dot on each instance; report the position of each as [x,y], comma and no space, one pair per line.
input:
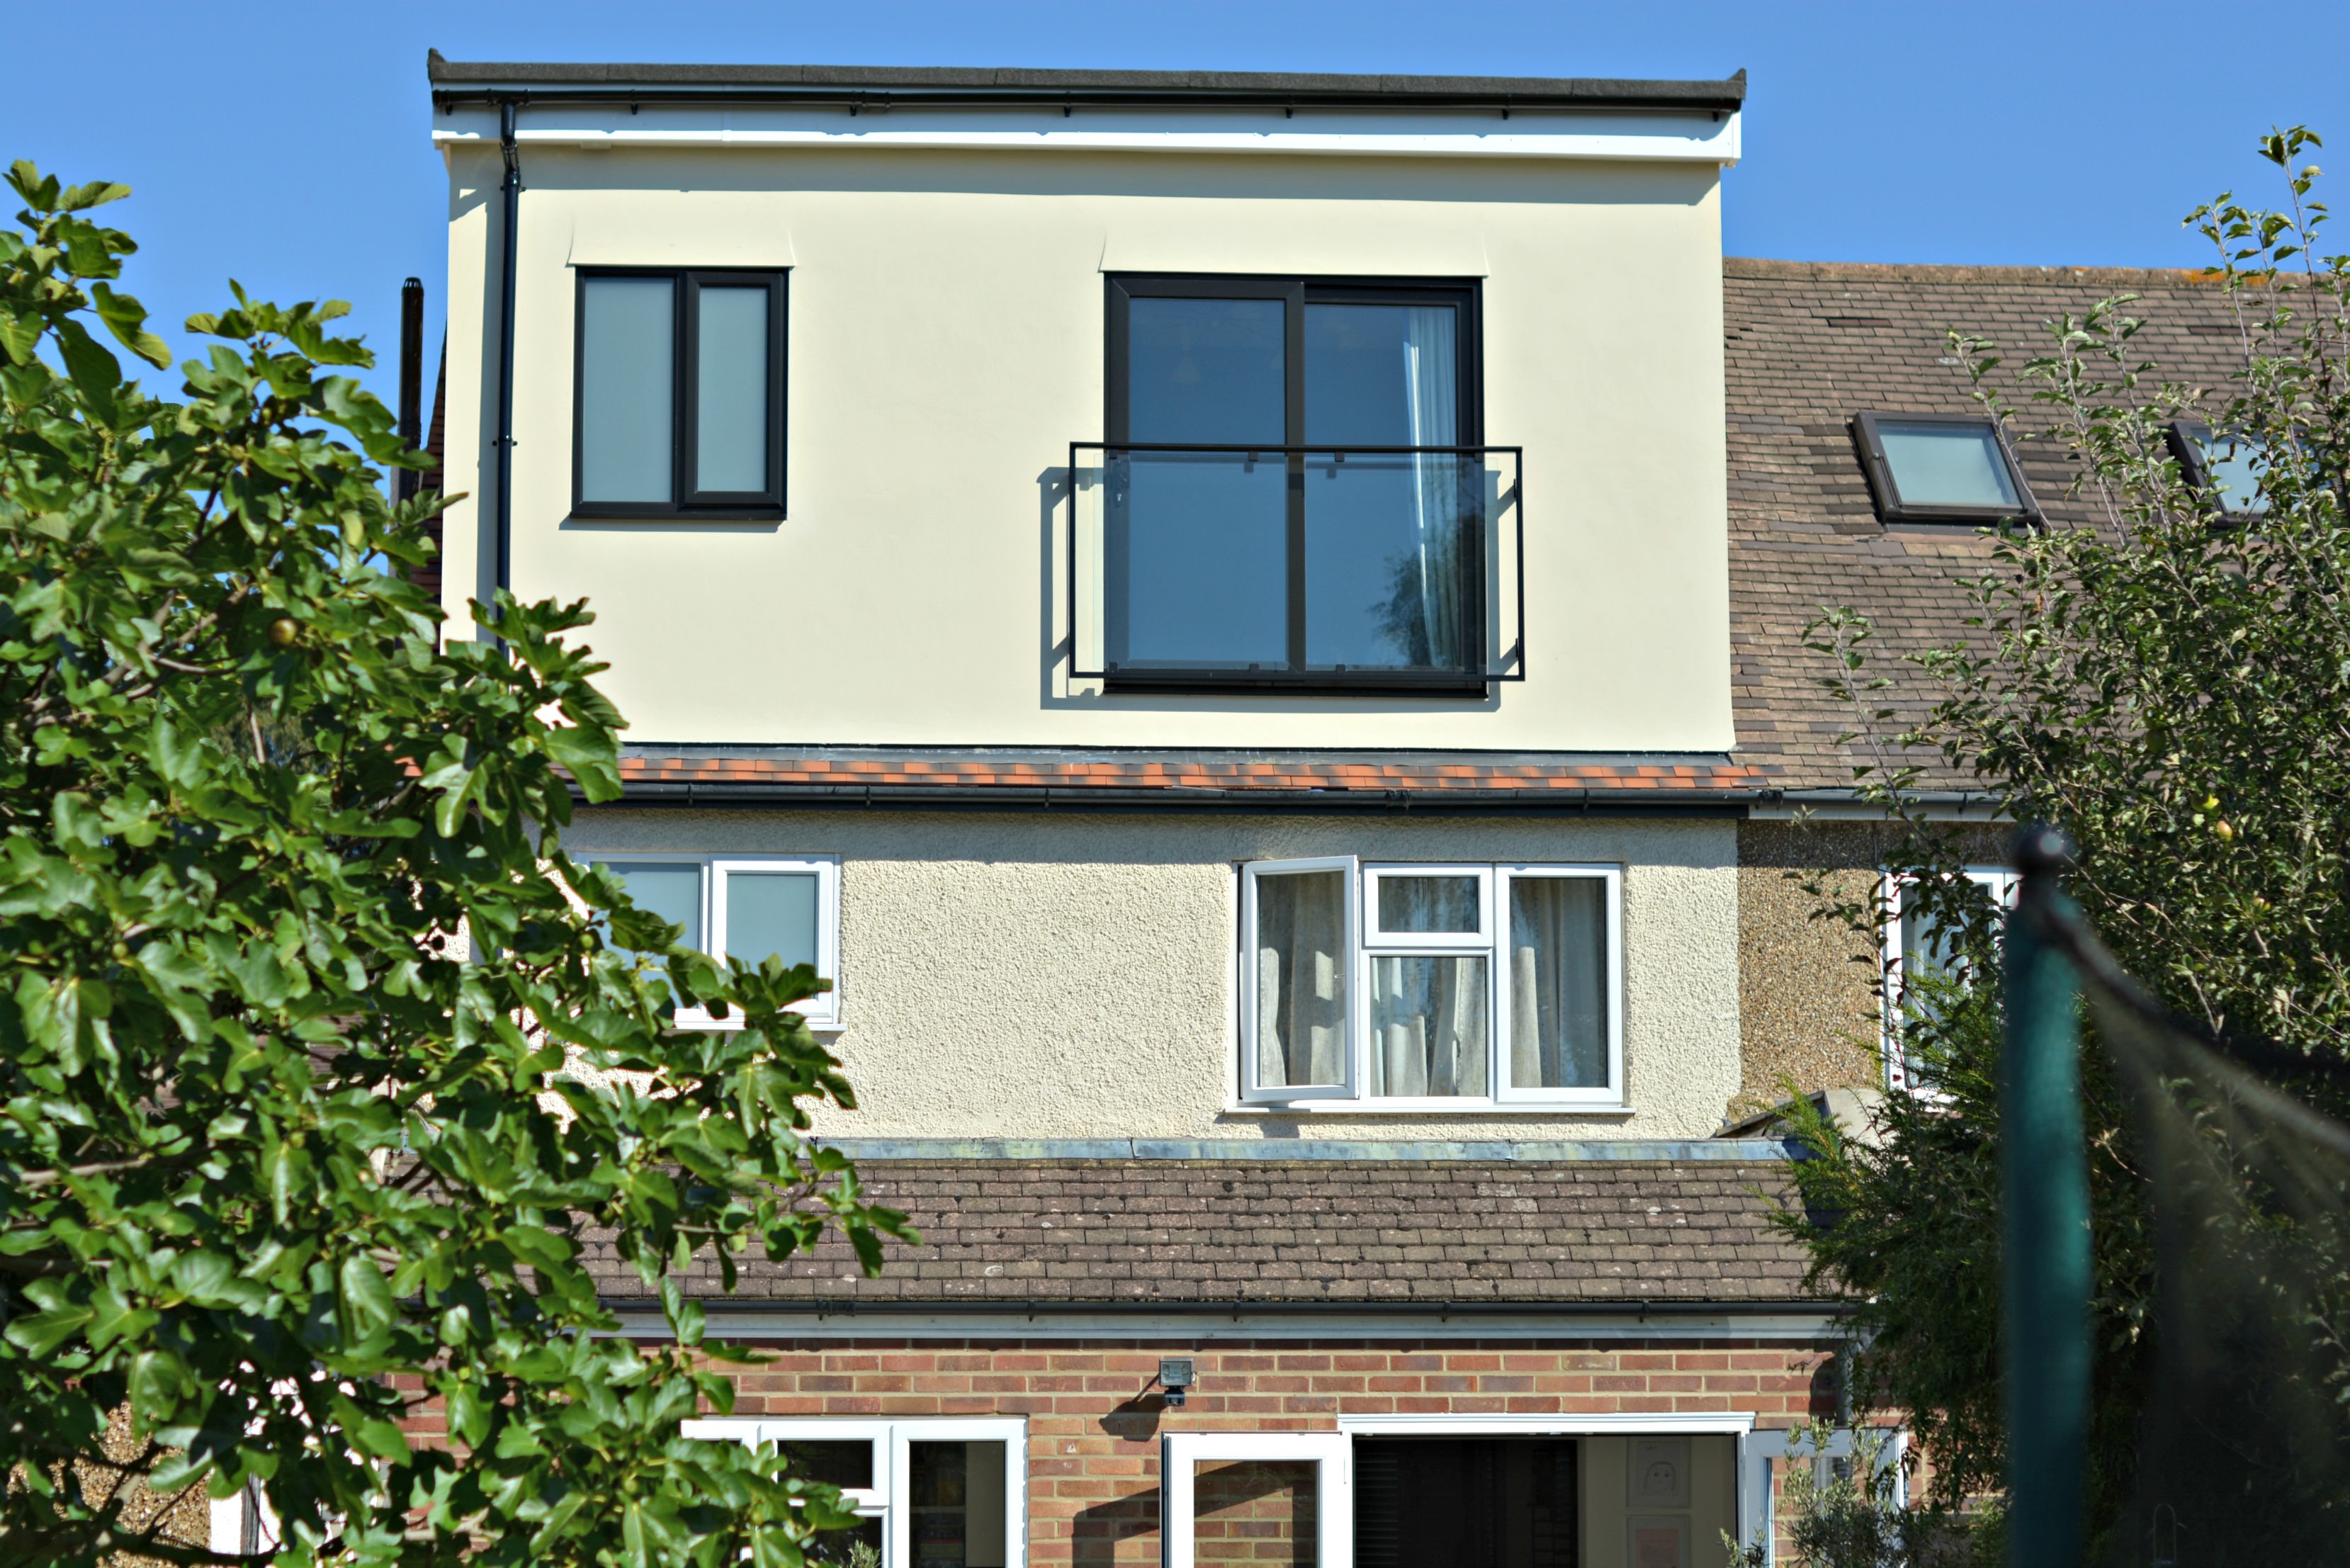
[513,201]
[411,383]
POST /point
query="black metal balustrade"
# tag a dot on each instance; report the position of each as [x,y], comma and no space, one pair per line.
[1350,568]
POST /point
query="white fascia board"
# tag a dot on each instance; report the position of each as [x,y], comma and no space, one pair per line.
[1645,1422]
[1639,136]
[1794,1326]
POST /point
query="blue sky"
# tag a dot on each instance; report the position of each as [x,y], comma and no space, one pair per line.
[287,145]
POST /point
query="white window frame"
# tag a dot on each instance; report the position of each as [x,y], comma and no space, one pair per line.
[2000,882]
[890,1497]
[1330,1453]
[1350,904]
[821,1011]
[1427,941]
[1610,1094]
[1366,942]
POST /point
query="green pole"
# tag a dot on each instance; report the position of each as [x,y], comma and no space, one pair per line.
[2043,1170]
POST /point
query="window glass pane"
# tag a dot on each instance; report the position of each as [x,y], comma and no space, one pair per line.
[729,408]
[1428,904]
[2234,464]
[771,913]
[1382,375]
[1558,982]
[1391,542]
[671,890]
[1299,945]
[843,1463]
[1206,370]
[1196,561]
[1428,1035]
[841,1546]
[1946,465]
[627,371]
[956,1493]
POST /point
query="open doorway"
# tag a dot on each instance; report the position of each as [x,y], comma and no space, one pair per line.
[1466,1503]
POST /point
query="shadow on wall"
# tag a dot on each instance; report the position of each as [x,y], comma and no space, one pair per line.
[1260,1512]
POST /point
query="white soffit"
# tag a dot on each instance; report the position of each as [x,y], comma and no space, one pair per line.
[1622,135]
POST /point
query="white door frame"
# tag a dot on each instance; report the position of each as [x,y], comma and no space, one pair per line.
[1333,1474]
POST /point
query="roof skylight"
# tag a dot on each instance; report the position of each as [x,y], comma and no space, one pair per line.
[2224,468]
[1942,468]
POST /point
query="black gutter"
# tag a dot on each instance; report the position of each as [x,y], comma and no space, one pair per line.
[964,1306]
[511,197]
[880,88]
[1047,797]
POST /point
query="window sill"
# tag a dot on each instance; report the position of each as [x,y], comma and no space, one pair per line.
[1422,1110]
[614,512]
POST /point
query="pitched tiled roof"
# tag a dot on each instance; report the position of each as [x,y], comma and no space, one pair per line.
[1145,1231]
[1808,346]
[1566,779]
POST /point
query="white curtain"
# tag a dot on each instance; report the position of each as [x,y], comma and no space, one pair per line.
[1559,990]
[1301,979]
[1432,403]
[1428,1025]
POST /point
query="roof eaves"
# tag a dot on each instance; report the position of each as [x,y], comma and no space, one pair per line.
[462,80]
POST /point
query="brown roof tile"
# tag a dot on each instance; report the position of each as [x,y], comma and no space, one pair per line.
[1807,345]
[1306,1230]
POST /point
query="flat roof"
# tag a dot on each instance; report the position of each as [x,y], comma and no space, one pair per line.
[457,81]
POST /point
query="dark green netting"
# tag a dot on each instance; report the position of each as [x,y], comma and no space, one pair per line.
[2244,1455]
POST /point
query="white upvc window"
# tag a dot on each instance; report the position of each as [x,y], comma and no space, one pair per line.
[749,906]
[1431,986]
[931,1493]
[1915,945]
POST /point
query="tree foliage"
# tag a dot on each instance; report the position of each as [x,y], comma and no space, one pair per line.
[298,981]
[2170,684]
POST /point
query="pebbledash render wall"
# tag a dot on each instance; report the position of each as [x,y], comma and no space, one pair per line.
[1093,1420]
[1072,975]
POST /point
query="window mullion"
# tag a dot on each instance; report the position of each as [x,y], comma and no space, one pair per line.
[1293,437]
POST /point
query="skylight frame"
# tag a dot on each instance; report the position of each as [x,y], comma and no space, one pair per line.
[2187,439]
[1886,491]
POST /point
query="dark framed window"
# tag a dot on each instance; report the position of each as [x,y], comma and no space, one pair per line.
[1298,488]
[2224,469]
[678,394]
[1942,468]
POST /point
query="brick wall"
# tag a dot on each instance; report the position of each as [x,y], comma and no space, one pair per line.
[1094,1422]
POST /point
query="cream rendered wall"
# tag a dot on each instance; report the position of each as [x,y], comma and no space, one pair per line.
[1070,975]
[946,346]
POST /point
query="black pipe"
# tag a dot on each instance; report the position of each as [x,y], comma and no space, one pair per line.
[412,382]
[512,190]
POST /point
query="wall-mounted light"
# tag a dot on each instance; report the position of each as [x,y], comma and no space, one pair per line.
[1175,1377]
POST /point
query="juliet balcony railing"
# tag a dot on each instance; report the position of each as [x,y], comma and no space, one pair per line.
[1356,569]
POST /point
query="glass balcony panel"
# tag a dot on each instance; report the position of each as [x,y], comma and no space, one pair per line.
[1196,556]
[1393,561]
